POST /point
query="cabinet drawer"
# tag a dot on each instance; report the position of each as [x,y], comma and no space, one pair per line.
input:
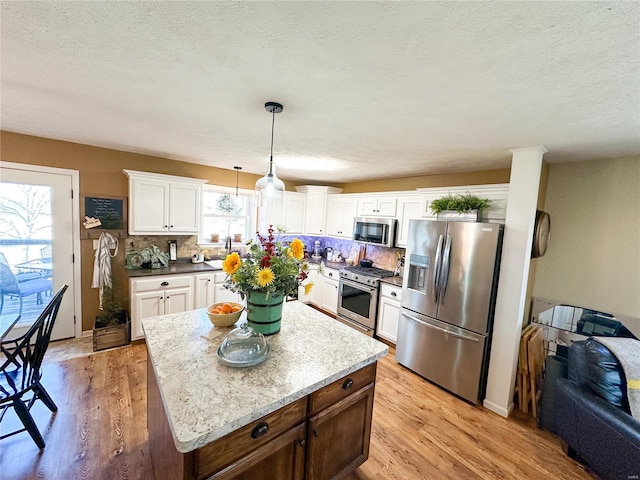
[220,453]
[331,273]
[160,282]
[342,388]
[219,277]
[390,291]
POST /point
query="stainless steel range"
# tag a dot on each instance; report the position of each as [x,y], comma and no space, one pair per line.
[358,296]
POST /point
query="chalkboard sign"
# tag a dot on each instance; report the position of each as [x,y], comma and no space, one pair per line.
[110,211]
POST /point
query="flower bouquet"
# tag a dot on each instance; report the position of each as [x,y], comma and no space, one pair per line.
[268,273]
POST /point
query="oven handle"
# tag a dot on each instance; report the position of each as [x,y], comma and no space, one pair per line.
[353,324]
[360,286]
[443,330]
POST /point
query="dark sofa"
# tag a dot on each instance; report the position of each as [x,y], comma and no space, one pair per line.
[592,413]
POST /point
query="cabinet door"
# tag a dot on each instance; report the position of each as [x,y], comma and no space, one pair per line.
[388,316]
[334,216]
[295,210]
[281,459]
[408,208]
[147,304]
[367,207]
[221,294]
[184,211]
[349,212]
[316,205]
[149,206]
[177,300]
[329,300]
[386,207]
[338,437]
[312,277]
[203,291]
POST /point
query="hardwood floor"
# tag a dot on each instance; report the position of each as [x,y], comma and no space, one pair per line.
[419,431]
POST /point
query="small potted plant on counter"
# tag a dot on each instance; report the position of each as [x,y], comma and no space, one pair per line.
[463,207]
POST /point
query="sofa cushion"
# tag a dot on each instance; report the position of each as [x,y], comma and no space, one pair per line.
[606,377]
[578,365]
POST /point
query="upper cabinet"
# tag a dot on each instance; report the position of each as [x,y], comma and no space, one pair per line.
[376,205]
[497,193]
[316,207]
[164,204]
[408,207]
[341,210]
[290,216]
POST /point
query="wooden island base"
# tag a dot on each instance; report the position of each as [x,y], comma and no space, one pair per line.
[322,436]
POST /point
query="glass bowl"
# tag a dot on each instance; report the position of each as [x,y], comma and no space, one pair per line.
[243,347]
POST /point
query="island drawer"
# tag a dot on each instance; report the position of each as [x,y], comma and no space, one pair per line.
[342,388]
[220,453]
[160,282]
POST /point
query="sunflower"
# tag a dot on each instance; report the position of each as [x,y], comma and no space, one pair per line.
[232,263]
[296,249]
[265,277]
[307,288]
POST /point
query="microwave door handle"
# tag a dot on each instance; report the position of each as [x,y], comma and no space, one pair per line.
[436,270]
[446,260]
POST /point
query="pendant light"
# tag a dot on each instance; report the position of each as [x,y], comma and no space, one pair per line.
[237,169]
[270,189]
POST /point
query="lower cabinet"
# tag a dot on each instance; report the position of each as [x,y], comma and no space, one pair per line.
[329,290]
[221,294]
[319,437]
[203,291]
[158,295]
[389,312]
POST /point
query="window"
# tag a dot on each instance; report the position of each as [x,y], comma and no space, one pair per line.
[225,215]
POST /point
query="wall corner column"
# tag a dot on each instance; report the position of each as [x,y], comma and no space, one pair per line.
[524,184]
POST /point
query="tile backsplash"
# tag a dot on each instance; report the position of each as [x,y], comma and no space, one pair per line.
[188,246]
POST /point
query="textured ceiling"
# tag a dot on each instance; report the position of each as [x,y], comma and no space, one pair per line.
[370,89]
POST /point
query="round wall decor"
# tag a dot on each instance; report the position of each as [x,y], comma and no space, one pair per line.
[541,234]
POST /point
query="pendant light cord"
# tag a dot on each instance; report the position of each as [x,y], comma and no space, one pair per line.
[273,121]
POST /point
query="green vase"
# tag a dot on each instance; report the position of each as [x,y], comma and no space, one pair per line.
[264,314]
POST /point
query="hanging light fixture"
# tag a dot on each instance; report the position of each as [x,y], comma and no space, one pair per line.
[237,169]
[270,189]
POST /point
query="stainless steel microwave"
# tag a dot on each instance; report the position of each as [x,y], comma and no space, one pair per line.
[375,231]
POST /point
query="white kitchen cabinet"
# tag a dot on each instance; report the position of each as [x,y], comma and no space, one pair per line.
[163,204]
[388,312]
[290,216]
[329,290]
[158,295]
[221,294]
[203,290]
[408,208]
[377,206]
[341,210]
[498,194]
[312,277]
[316,207]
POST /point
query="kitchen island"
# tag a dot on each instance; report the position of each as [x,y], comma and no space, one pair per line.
[303,413]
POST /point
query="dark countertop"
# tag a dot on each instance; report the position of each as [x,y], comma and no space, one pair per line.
[173,268]
[397,281]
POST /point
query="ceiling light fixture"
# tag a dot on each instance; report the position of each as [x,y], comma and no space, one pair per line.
[270,189]
[237,169]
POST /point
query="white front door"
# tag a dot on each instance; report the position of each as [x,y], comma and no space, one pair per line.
[38,218]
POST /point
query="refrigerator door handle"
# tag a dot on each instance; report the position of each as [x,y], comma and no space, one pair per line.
[443,330]
[436,270]
[445,269]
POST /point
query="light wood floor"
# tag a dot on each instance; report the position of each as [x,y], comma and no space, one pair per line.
[419,431]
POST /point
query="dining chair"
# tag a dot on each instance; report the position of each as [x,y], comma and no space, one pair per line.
[20,373]
[10,286]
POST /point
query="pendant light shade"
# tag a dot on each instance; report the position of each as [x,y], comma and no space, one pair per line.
[270,189]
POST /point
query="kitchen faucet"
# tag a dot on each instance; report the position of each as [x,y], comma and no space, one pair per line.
[227,245]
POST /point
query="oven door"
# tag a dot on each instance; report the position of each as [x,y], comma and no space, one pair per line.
[357,302]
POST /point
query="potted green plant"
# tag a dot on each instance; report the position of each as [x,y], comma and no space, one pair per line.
[153,257]
[459,206]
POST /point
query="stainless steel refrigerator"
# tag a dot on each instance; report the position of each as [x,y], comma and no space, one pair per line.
[448,301]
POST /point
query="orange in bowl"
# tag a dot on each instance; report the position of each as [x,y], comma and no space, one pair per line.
[224,314]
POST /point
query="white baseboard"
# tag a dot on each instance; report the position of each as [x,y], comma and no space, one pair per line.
[503,412]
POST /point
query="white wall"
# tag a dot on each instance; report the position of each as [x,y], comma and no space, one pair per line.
[593,259]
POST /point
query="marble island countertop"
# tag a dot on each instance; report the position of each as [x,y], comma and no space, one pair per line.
[204,400]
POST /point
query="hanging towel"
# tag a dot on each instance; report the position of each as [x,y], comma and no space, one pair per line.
[102,262]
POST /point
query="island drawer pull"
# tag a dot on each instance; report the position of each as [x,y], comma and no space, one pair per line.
[261,429]
[316,433]
[164,284]
[348,383]
[302,442]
